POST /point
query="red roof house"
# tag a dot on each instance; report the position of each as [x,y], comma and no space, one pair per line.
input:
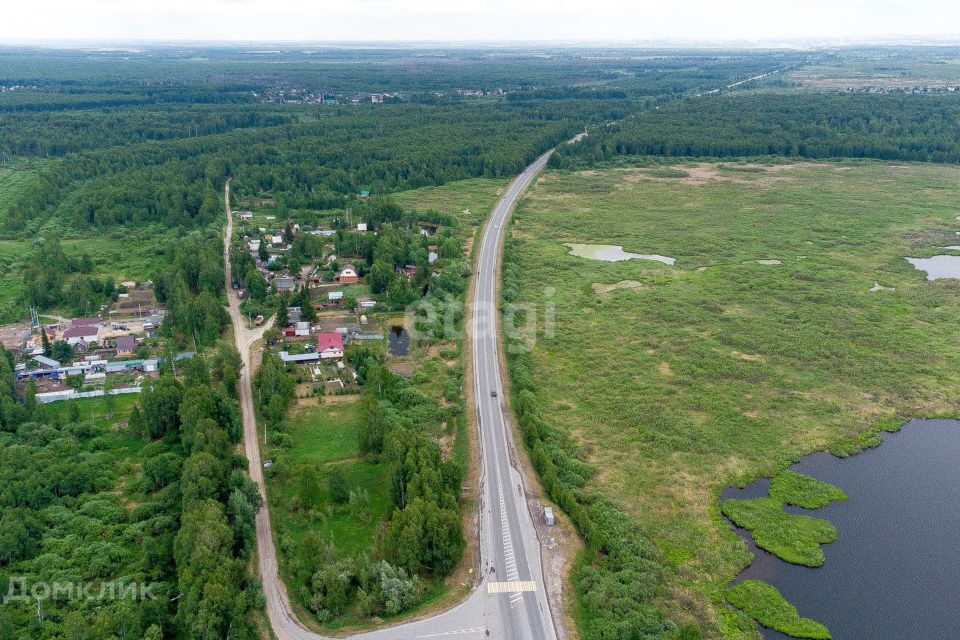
[330,345]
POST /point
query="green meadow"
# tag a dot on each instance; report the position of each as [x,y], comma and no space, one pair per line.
[762,343]
[468,200]
[322,438]
[123,254]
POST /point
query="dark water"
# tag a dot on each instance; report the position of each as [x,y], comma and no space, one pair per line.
[894,571]
[399,341]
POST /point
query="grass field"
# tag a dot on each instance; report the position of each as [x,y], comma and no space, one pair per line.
[888,72]
[95,408]
[678,380]
[121,254]
[323,437]
[468,200]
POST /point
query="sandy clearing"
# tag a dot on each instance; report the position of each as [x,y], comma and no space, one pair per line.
[604,290]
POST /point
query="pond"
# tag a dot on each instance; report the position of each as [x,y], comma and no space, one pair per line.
[613,253]
[399,341]
[942,266]
[894,570]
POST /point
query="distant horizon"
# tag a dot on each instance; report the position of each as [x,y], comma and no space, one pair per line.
[490,21]
[932,40]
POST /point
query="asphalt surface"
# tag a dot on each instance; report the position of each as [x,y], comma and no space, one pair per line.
[508,601]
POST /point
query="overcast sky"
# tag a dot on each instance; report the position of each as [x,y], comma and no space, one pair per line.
[459,20]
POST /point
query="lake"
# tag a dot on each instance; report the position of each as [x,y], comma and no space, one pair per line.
[942,266]
[894,570]
[613,253]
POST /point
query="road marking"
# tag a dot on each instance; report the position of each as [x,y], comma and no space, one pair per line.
[511,586]
[454,633]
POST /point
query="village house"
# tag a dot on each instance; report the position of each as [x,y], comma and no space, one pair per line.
[125,346]
[284,283]
[79,336]
[330,345]
[409,270]
[347,275]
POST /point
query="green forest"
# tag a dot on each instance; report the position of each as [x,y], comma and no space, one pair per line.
[886,127]
[134,521]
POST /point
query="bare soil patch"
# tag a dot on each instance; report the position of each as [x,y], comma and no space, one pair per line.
[603,290]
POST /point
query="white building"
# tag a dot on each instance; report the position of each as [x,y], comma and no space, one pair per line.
[81,334]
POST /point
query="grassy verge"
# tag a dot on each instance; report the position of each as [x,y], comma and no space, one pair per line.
[763,603]
[719,369]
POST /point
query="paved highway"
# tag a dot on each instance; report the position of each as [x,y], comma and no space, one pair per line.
[509,601]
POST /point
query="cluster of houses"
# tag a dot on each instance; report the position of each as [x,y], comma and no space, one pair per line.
[48,368]
[110,348]
[924,90]
[83,333]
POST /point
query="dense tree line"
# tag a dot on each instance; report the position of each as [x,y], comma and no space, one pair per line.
[424,533]
[316,165]
[55,134]
[886,127]
[53,278]
[189,284]
[24,100]
[164,503]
